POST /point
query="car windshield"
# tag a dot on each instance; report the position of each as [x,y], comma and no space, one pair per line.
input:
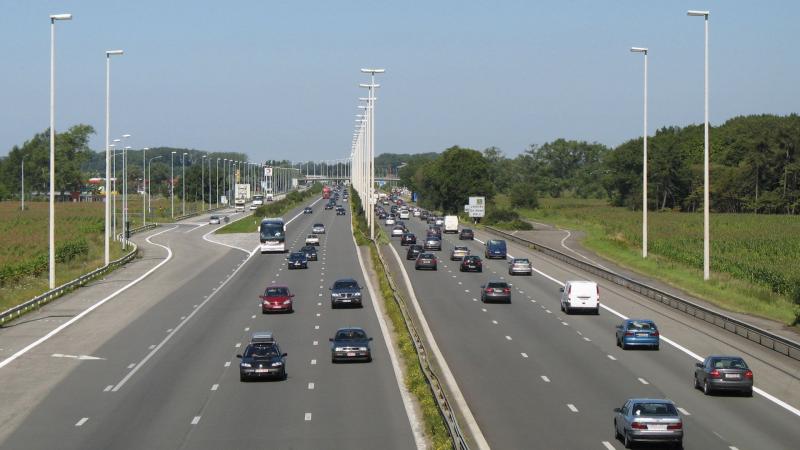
[261,351]
[350,335]
[728,363]
[214,218]
[309,249]
[319,225]
[466,230]
[312,236]
[641,326]
[654,409]
[426,256]
[349,284]
[276,292]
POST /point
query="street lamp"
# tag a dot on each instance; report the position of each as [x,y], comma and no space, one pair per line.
[107,252]
[125,226]
[144,180]
[217,190]
[172,183]
[150,179]
[202,181]
[52,237]
[114,188]
[706,196]
[22,184]
[643,50]
[183,182]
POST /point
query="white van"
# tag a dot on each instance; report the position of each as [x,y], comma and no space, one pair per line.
[451,224]
[580,295]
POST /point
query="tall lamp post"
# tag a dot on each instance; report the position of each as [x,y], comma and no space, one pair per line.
[22,185]
[217,190]
[106,244]
[172,183]
[144,180]
[52,233]
[150,180]
[125,194]
[202,182]
[706,196]
[183,182]
[643,50]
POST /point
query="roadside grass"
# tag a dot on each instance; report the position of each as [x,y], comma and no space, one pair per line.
[249,223]
[24,237]
[415,381]
[753,257]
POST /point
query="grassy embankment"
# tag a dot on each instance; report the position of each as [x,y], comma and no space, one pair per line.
[79,231]
[435,428]
[249,223]
[754,258]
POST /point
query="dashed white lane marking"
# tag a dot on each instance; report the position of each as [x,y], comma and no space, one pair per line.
[579,333]
[108,388]
[587,339]
[533,301]
[643,381]
[524,355]
[310,386]
[508,338]
[611,357]
[564,323]
[131,365]
[733,448]
[474,299]
[227,363]
[238,344]
[545,379]
[316,342]
[246,328]
[494,322]
[196,420]
[319,303]
[572,407]
[317,314]
[313,362]
[608,445]
[466,290]
[320,294]
[548,311]
[214,387]
[81,422]
[308,417]
[253,316]
[316,327]
[169,330]
[684,412]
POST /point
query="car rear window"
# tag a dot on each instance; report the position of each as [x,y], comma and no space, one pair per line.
[345,285]
[349,335]
[521,261]
[728,363]
[641,326]
[654,409]
[497,284]
[276,292]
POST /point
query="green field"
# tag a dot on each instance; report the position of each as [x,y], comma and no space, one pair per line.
[754,258]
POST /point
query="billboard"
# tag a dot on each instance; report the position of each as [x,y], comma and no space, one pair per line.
[267,171]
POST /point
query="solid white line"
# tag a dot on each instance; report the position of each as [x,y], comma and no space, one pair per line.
[545,379]
[608,445]
[58,329]
[684,412]
[307,417]
[643,381]
[196,420]
[572,407]
[310,386]
[81,422]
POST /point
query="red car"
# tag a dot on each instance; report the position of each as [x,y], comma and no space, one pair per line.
[276,298]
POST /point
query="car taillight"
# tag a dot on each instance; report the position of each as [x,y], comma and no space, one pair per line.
[598,294]
[489,290]
[714,374]
[629,333]
[506,290]
[748,374]
[655,333]
[638,426]
[675,426]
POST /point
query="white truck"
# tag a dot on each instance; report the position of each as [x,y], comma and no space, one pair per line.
[242,196]
[451,224]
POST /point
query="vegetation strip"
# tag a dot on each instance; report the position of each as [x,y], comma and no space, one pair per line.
[415,378]
[271,209]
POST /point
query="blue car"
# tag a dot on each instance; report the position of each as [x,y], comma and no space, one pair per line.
[495,248]
[637,333]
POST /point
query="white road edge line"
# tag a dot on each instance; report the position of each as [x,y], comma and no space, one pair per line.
[413,420]
[458,396]
[100,303]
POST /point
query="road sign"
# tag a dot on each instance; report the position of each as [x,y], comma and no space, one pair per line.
[477,201]
[267,171]
[476,207]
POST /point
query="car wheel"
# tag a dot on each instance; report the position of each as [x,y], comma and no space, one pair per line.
[748,393]
[480,270]
[656,347]
[706,388]
[623,344]
[435,268]
[626,441]
[696,382]
[369,360]
[285,375]
[242,378]
[597,311]
[567,309]
[617,436]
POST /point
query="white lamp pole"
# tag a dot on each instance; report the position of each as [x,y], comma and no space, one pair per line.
[217,190]
[172,183]
[52,237]
[106,246]
[150,180]
[125,193]
[144,180]
[202,182]
[183,182]
[644,157]
[706,196]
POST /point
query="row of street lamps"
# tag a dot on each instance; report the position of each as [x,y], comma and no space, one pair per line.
[362,153]
[706,199]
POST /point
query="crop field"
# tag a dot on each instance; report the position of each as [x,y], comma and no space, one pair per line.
[763,250]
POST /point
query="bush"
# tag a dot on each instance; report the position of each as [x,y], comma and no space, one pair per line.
[523,197]
[496,215]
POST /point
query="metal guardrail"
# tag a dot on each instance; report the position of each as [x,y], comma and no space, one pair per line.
[442,403]
[748,331]
[40,300]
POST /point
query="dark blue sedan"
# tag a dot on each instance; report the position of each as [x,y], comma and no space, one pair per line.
[638,333]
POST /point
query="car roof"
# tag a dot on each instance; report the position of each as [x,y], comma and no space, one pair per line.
[725,356]
[639,320]
[262,337]
[651,400]
[345,279]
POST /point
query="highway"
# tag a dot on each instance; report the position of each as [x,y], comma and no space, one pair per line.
[534,377]
[161,371]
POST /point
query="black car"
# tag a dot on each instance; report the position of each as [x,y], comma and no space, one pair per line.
[467,234]
[471,263]
[340,211]
[496,291]
[413,251]
[310,252]
[433,243]
[308,210]
[423,215]
[328,206]
[426,261]
[350,344]
[297,260]
[345,292]
[262,358]
[408,239]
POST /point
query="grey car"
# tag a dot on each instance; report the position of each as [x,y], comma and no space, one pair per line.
[518,266]
[350,344]
[345,292]
[648,420]
[723,373]
[433,243]
[496,291]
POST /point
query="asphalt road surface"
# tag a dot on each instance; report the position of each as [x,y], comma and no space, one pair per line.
[165,375]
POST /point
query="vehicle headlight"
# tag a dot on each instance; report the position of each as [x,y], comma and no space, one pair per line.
[363,349]
[334,294]
[277,364]
[357,294]
[244,364]
[338,349]
[286,302]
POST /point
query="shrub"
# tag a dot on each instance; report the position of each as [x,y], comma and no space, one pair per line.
[523,197]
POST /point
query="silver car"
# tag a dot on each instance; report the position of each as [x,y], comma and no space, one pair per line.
[318,228]
[213,220]
[458,253]
[723,373]
[519,266]
[312,239]
[648,420]
[398,231]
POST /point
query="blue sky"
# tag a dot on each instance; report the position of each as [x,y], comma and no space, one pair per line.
[279,79]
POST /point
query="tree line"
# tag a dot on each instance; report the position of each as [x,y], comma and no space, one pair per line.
[754,168]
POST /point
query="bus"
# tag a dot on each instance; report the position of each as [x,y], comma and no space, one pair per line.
[326,192]
[272,234]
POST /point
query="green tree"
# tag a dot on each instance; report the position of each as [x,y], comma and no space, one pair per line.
[457,174]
